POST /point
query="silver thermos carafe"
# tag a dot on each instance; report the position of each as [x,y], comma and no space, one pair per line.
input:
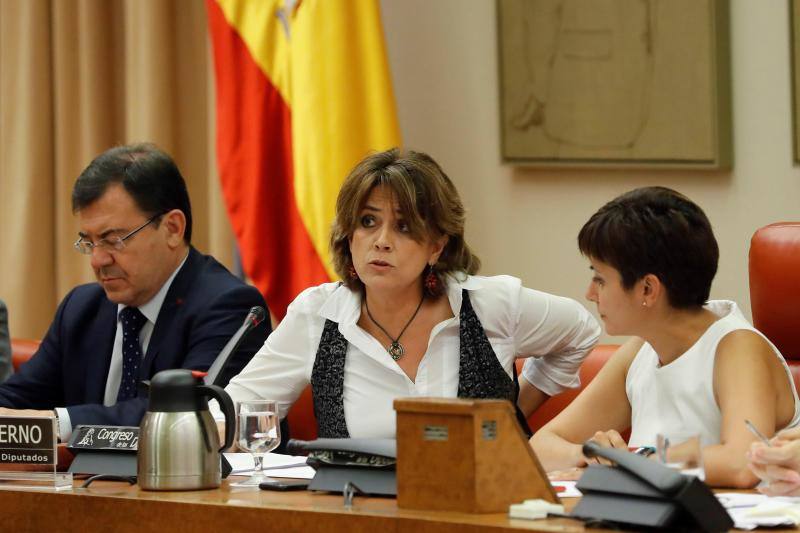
[179,446]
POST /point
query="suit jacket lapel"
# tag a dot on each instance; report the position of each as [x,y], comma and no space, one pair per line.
[169,310]
[98,370]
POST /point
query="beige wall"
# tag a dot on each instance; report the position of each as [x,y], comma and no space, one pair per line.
[524,221]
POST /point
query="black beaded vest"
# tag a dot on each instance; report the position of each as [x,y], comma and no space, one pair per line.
[480,374]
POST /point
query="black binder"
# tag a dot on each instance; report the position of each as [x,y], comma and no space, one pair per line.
[369,464]
[643,493]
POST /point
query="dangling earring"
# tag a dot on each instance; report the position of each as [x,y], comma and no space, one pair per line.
[352,273]
[431,281]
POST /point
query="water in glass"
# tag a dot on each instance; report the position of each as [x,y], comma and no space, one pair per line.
[259,433]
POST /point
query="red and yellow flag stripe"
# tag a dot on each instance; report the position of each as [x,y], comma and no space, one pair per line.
[303,93]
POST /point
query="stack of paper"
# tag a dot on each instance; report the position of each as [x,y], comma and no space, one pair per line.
[274,465]
[750,511]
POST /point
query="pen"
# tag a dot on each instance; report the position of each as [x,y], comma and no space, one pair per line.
[754,430]
[645,451]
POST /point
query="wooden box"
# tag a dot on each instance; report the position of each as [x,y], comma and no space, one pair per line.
[464,455]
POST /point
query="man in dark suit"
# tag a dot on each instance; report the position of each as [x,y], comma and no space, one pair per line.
[157,304]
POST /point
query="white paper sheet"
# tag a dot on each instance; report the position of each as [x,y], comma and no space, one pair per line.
[751,510]
[274,465]
[566,489]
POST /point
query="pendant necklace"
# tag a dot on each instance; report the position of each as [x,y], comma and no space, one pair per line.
[395,349]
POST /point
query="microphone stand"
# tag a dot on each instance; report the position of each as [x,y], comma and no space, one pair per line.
[254,318]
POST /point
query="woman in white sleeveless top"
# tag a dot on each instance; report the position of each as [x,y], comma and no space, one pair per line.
[692,367]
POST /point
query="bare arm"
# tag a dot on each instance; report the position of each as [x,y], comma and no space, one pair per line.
[747,385]
[602,406]
[530,398]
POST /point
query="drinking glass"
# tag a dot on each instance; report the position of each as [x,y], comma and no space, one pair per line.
[681,452]
[259,433]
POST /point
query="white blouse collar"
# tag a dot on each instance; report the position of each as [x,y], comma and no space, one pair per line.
[343,306]
[456,282]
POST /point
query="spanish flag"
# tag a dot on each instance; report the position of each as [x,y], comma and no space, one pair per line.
[303,93]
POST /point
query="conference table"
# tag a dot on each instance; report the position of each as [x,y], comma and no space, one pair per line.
[119,507]
[116,506]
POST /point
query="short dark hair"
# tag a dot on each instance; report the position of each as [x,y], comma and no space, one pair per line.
[655,230]
[428,201]
[147,173]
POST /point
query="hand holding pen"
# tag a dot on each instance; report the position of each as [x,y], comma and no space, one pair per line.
[754,430]
[776,462]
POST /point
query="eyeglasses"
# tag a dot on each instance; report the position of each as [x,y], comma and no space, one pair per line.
[111,244]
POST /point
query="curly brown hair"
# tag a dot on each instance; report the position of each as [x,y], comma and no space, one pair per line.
[428,201]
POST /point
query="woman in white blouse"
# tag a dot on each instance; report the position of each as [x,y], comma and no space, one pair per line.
[410,318]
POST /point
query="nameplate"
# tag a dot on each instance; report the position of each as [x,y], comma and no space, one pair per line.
[104,438]
[436,433]
[27,440]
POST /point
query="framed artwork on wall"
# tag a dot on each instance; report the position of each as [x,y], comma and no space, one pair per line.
[641,83]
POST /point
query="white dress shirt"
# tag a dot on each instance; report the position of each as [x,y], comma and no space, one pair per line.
[150,310]
[519,322]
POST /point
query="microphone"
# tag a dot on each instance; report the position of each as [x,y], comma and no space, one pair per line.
[297,447]
[253,318]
